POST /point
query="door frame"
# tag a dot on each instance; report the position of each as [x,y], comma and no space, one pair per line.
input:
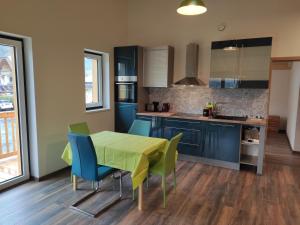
[278,59]
[22,110]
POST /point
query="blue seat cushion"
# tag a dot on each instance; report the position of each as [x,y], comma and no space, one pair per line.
[104,171]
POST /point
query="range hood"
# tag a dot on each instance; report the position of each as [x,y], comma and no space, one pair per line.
[191,67]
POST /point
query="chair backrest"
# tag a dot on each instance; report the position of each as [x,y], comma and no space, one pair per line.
[84,159]
[140,127]
[79,128]
[170,154]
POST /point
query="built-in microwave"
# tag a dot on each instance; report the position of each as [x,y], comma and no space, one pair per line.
[126,89]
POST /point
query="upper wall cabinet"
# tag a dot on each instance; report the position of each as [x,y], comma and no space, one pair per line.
[241,63]
[126,61]
[158,66]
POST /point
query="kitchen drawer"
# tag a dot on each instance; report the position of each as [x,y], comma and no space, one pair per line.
[189,149]
[190,136]
[187,124]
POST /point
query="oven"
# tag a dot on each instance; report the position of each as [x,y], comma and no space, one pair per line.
[126,89]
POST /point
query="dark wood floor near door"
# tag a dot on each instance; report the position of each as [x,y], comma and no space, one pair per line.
[204,195]
[278,150]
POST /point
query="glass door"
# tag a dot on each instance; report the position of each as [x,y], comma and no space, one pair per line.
[14,166]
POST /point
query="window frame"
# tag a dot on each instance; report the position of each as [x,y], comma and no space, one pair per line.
[100,103]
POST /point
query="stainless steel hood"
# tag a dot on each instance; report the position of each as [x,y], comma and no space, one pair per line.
[191,67]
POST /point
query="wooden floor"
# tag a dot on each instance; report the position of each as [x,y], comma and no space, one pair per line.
[204,195]
[278,150]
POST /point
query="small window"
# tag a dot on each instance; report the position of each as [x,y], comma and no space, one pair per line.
[93,67]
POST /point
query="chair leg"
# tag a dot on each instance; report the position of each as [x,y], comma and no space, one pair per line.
[164,189]
[174,174]
[114,181]
[74,182]
[71,177]
[107,205]
[121,185]
[147,181]
[133,194]
[93,185]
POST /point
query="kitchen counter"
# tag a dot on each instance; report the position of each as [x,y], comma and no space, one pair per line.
[249,121]
[212,141]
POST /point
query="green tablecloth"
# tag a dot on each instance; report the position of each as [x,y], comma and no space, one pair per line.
[123,151]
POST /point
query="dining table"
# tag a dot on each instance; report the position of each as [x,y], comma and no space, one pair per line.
[123,151]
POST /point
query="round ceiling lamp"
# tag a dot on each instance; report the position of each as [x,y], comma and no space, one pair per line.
[191,7]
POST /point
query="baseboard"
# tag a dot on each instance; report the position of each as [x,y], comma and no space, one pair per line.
[42,178]
[13,186]
[211,162]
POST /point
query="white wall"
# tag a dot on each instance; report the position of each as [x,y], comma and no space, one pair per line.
[279,95]
[293,131]
[60,32]
[156,23]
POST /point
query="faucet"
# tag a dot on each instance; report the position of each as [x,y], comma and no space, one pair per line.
[218,106]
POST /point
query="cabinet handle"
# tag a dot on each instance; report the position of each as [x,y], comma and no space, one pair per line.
[183,121]
[183,129]
[222,125]
[145,118]
[126,83]
[184,143]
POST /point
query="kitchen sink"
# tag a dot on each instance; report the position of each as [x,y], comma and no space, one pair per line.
[239,118]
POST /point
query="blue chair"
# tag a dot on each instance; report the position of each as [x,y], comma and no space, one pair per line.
[84,165]
[78,128]
[140,127]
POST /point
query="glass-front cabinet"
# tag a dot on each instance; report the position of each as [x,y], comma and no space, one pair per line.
[241,63]
[126,61]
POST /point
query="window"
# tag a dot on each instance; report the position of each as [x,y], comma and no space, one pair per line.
[93,67]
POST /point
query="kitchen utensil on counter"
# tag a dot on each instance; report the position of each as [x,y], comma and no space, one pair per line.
[166,107]
[149,107]
[156,108]
[206,112]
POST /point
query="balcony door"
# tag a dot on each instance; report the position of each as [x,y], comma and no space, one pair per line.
[14,166]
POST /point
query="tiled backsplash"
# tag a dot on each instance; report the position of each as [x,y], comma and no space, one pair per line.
[236,102]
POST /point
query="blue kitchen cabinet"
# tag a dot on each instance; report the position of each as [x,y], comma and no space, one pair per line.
[126,61]
[192,139]
[208,140]
[125,114]
[222,142]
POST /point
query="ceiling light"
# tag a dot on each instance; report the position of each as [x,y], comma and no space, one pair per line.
[191,7]
[231,48]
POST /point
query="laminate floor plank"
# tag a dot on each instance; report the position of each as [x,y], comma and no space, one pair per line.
[205,195]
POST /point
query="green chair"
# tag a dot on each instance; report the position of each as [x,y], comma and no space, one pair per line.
[79,128]
[167,163]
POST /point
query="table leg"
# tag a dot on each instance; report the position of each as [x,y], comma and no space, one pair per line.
[140,200]
[74,182]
